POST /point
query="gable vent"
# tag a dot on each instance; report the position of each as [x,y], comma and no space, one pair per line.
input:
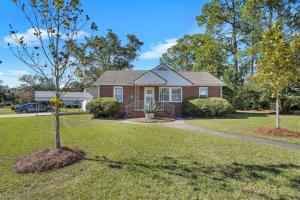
[162,69]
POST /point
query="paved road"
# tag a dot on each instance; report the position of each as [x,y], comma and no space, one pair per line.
[180,124]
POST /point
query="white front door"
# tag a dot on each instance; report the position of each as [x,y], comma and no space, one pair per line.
[149,96]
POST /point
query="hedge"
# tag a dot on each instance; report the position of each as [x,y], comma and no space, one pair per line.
[103,107]
[209,107]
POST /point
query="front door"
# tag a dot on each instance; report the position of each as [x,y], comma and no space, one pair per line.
[149,96]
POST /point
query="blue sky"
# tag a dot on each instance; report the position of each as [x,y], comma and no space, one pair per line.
[158,23]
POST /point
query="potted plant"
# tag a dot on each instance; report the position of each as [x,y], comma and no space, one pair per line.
[150,110]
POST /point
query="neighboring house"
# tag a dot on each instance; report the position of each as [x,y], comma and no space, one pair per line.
[163,86]
[69,98]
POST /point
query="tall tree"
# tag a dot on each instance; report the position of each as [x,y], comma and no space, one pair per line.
[222,20]
[182,56]
[101,53]
[198,52]
[258,15]
[56,25]
[279,62]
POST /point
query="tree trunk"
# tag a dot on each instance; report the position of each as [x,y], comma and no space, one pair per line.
[57,125]
[277,112]
[234,38]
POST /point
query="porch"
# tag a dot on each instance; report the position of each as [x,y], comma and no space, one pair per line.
[144,96]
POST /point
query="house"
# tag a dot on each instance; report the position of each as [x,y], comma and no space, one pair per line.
[162,86]
[79,99]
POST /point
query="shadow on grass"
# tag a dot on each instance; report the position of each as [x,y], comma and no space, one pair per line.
[220,176]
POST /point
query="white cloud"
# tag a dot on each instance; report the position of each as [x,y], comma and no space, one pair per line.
[159,49]
[31,39]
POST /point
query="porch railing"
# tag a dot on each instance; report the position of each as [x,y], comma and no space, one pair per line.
[159,107]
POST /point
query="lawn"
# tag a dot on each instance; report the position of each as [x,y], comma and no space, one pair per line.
[6,110]
[244,123]
[127,161]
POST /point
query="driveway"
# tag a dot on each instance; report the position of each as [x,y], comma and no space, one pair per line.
[24,115]
[180,124]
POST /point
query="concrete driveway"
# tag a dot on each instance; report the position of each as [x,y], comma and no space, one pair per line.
[24,115]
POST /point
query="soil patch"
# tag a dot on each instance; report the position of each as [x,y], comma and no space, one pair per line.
[48,160]
[277,132]
[155,120]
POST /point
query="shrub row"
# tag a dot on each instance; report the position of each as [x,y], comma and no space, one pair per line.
[210,107]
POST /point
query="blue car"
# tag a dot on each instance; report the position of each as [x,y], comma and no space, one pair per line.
[32,107]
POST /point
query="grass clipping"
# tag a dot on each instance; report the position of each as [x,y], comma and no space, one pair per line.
[277,132]
[47,159]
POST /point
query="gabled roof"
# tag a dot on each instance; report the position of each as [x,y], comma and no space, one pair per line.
[172,77]
[162,72]
[119,77]
[149,78]
[202,78]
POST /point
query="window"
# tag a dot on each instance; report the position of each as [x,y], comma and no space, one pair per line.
[176,94]
[118,93]
[164,94]
[170,94]
[203,92]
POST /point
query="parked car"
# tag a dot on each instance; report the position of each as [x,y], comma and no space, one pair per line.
[32,107]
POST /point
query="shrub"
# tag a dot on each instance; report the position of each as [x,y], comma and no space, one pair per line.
[211,107]
[290,103]
[151,108]
[103,107]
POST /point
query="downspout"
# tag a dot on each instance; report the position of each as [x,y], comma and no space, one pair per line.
[221,91]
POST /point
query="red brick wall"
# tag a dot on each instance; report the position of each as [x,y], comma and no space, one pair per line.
[214,91]
[129,92]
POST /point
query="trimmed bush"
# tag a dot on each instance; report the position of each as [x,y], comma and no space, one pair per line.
[104,107]
[210,107]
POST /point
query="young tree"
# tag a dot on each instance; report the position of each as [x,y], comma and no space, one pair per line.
[101,53]
[278,63]
[56,24]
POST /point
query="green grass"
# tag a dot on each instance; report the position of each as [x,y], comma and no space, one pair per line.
[244,123]
[7,110]
[127,161]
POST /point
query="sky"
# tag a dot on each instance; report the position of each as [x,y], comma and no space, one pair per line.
[158,23]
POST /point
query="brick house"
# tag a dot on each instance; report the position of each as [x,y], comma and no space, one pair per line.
[163,86]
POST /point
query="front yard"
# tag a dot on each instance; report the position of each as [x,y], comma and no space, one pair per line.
[127,161]
[245,123]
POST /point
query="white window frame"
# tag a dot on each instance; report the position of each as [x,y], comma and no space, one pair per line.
[170,94]
[200,93]
[118,87]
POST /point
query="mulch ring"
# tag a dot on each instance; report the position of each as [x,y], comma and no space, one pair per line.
[277,132]
[155,120]
[47,160]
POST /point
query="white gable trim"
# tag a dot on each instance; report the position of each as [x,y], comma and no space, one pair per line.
[149,78]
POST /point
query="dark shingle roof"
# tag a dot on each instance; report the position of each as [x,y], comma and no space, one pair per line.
[202,78]
[119,77]
[128,76]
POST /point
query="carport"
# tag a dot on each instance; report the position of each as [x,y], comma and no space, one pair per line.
[67,97]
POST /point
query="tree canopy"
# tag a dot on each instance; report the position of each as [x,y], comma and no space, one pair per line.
[100,53]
